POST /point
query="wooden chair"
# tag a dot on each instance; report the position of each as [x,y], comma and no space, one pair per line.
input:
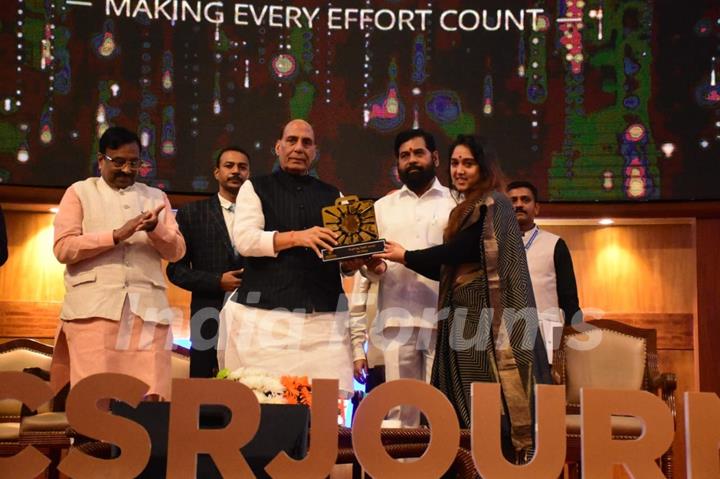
[619,347]
[45,429]
[404,443]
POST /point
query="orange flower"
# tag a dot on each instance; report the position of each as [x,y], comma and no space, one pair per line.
[297,390]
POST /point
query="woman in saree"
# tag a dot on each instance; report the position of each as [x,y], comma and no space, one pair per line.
[487,323]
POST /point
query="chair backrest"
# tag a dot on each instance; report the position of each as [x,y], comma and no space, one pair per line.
[604,354]
[180,362]
[17,355]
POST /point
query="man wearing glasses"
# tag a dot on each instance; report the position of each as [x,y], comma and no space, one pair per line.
[112,233]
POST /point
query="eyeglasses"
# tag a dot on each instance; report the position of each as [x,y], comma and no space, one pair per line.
[121,162]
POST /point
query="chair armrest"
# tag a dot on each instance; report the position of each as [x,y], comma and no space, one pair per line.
[557,370]
[666,382]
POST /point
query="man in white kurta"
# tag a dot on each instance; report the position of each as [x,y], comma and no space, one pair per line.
[414,216]
[289,317]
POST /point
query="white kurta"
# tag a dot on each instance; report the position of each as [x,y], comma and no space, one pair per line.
[407,301]
[284,343]
[407,298]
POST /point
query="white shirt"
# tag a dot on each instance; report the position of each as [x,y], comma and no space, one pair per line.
[228,211]
[248,231]
[405,297]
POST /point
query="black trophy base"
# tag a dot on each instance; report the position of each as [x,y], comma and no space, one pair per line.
[357,250]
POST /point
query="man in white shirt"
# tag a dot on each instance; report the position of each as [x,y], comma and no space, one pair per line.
[211,268]
[414,216]
[550,265]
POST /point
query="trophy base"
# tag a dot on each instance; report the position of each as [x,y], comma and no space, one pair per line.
[357,250]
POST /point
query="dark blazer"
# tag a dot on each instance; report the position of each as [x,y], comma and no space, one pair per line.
[209,254]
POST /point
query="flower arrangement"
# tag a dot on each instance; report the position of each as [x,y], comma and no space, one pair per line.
[268,388]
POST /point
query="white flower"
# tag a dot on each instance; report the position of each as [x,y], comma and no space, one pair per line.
[268,388]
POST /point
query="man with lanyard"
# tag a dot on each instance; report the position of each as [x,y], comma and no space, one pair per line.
[550,265]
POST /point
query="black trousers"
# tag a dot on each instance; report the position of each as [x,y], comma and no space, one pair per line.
[203,350]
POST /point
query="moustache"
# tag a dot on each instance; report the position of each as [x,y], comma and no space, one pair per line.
[519,210]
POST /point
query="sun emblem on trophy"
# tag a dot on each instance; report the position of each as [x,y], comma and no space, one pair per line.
[354,223]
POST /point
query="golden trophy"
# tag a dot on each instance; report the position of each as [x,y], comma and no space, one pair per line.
[354,222]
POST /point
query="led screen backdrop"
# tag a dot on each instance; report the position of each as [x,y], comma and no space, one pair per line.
[593,100]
